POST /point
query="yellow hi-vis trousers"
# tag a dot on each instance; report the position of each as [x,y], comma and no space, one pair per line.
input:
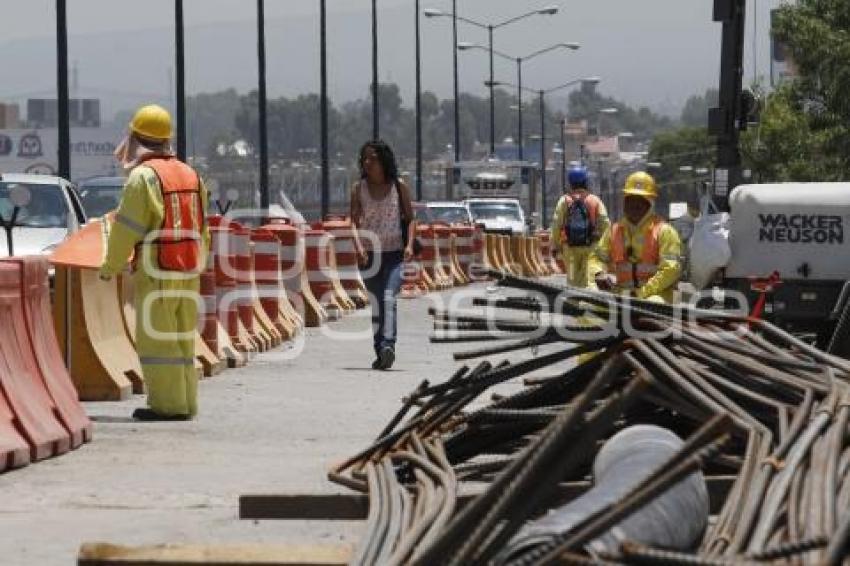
[576,261]
[166,321]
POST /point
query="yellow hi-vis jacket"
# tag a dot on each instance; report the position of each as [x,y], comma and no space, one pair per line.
[657,280]
[141,211]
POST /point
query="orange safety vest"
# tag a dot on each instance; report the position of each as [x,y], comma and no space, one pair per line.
[635,275]
[179,241]
[591,201]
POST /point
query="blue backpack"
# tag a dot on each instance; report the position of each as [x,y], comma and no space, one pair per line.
[579,227]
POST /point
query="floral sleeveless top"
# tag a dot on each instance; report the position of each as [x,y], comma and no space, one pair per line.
[382,218]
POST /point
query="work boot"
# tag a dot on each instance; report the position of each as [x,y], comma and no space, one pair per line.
[149,415]
[386,357]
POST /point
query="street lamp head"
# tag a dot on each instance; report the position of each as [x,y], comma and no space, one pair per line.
[571,45]
[591,81]
[433,13]
[653,165]
[464,45]
[610,110]
[686,168]
[548,11]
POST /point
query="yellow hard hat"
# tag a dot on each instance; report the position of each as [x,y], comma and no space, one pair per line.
[152,122]
[641,184]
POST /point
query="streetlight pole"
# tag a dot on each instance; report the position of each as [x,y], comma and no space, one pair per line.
[519,61]
[547,11]
[180,76]
[263,106]
[323,110]
[519,107]
[418,108]
[492,99]
[456,87]
[375,104]
[62,94]
[543,158]
[563,153]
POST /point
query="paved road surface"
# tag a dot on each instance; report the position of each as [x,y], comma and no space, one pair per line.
[272,427]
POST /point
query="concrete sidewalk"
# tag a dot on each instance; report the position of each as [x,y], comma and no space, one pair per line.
[272,427]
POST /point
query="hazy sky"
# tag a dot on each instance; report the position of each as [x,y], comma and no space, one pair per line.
[654,52]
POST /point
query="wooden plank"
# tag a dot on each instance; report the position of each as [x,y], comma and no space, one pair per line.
[318,507]
[103,554]
[355,506]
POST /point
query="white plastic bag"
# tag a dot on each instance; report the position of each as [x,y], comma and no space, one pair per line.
[709,248]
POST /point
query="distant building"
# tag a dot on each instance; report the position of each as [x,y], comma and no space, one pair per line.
[43,113]
[10,116]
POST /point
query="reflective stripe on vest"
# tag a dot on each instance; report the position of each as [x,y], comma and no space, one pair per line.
[635,274]
[183,220]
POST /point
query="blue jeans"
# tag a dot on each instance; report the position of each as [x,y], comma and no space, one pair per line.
[383,286]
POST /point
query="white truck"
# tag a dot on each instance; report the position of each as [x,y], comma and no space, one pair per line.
[797,231]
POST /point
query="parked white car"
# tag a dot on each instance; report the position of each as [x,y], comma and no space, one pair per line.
[499,215]
[449,212]
[49,210]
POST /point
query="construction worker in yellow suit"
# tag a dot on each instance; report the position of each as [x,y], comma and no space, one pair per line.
[580,220]
[162,216]
[641,254]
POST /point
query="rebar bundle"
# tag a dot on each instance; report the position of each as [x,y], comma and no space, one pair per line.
[764,418]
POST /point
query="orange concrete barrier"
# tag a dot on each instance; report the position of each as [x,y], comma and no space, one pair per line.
[223,258]
[289,272]
[555,264]
[244,286]
[432,259]
[347,266]
[427,257]
[267,251]
[465,243]
[14,450]
[457,270]
[104,364]
[207,348]
[442,233]
[20,378]
[521,263]
[531,247]
[45,349]
[294,274]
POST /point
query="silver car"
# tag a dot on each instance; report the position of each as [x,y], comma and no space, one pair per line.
[48,211]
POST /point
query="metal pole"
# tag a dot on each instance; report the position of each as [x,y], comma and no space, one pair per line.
[418,108]
[263,107]
[456,93]
[323,110]
[492,99]
[64,124]
[519,106]
[543,219]
[563,154]
[375,104]
[180,72]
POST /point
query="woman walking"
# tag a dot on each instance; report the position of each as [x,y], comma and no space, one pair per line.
[382,215]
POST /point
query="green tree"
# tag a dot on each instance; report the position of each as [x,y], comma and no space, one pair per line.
[695,111]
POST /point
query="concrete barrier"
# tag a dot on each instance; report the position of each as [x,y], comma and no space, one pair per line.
[42,337]
[347,266]
[104,365]
[223,256]
[20,377]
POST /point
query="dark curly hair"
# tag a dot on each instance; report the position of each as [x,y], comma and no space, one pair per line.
[385,156]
